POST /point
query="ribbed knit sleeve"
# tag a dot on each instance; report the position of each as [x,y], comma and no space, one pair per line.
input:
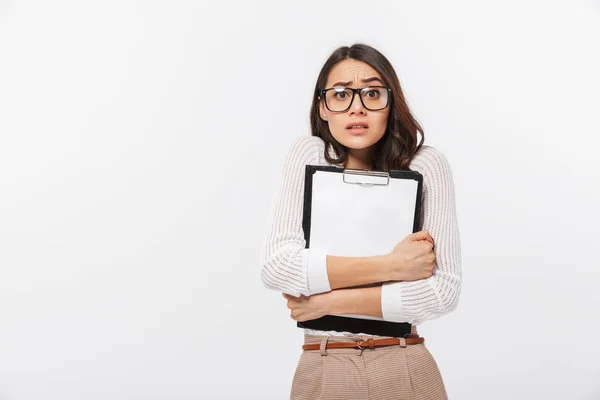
[287,266]
[426,299]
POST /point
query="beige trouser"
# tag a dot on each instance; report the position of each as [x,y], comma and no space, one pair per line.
[406,372]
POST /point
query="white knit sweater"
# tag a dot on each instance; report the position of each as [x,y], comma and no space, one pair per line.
[288,267]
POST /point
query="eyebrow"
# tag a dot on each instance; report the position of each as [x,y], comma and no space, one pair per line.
[374,78]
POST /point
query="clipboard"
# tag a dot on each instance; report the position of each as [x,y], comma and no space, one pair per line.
[355,212]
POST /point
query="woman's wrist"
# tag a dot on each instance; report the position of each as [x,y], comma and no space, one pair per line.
[394,267]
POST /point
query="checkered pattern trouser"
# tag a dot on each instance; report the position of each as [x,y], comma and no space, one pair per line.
[397,372]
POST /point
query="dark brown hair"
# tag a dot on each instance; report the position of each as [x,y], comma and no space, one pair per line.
[398,145]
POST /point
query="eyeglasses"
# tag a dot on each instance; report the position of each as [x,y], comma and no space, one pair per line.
[373,98]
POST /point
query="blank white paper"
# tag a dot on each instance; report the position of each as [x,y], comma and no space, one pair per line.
[353,220]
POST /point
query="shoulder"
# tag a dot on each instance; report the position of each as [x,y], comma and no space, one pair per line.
[430,161]
[309,141]
[307,148]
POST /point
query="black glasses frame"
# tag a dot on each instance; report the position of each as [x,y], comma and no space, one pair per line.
[354,92]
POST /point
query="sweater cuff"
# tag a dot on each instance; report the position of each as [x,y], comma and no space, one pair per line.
[318,280]
[391,303]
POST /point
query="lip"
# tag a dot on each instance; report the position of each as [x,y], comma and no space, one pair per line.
[357,123]
[358,131]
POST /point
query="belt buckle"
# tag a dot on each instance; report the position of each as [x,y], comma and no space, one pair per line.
[370,345]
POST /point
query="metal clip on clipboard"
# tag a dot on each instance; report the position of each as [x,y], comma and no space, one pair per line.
[364,177]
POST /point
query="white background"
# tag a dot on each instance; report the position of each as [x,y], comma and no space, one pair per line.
[141,148]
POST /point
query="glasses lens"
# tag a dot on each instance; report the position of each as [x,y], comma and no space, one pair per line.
[374,98]
[338,99]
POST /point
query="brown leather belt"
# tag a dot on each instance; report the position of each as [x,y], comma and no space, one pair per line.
[369,343]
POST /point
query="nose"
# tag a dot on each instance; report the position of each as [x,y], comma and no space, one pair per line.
[357,105]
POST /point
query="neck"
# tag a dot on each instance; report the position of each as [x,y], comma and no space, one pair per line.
[359,159]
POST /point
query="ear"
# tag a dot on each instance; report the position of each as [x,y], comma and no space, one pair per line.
[322,110]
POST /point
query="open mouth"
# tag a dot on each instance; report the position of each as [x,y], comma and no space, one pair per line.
[357,127]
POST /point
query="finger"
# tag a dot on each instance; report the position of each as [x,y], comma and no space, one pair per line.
[424,235]
[421,235]
[429,237]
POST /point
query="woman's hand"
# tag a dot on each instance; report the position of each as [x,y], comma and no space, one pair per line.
[413,258]
[304,308]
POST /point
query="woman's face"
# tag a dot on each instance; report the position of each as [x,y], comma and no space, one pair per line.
[355,74]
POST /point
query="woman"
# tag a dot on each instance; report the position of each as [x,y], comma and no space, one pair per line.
[360,119]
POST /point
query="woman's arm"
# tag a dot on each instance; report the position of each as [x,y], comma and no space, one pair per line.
[360,301]
[430,298]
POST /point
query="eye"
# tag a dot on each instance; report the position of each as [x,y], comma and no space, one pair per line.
[373,93]
[341,94]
